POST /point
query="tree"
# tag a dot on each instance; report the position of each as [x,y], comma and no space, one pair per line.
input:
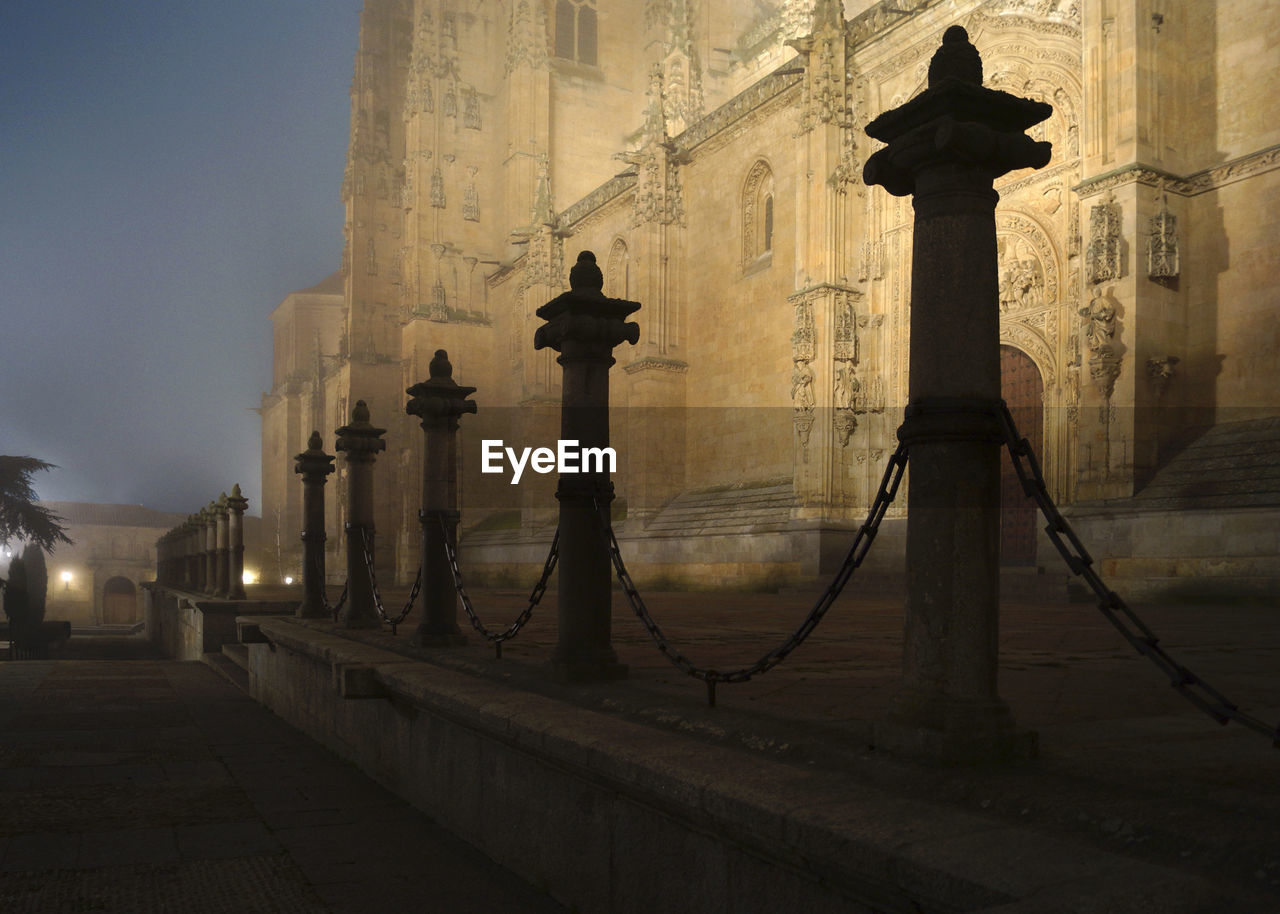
[20,517]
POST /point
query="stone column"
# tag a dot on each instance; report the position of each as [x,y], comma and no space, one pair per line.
[221,559]
[439,402]
[314,465]
[360,441]
[584,327]
[236,504]
[190,550]
[209,579]
[947,146]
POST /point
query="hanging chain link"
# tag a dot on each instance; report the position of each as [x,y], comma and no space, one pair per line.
[336,609]
[889,483]
[318,570]
[1116,611]
[373,583]
[496,638]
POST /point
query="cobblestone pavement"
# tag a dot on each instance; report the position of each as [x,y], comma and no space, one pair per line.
[144,785]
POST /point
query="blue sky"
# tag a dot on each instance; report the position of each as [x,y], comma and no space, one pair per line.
[169,171]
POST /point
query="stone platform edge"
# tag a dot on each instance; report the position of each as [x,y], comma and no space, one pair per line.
[609,815]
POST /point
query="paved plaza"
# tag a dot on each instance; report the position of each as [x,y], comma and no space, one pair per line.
[144,784]
[133,784]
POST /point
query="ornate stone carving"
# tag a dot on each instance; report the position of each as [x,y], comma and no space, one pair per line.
[682,73]
[1102,256]
[371,258]
[803,337]
[470,108]
[1105,350]
[527,37]
[1162,241]
[871,260]
[1160,372]
[1022,283]
[471,197]
[449,103]
[437,188]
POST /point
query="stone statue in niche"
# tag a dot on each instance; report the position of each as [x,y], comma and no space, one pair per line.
[1105,350]
[802,386]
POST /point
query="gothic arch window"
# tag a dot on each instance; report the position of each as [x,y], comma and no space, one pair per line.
[758,219]
[617,276]
[576,30]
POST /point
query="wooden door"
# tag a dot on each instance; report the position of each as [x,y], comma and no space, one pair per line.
[1023,390]
[119,602]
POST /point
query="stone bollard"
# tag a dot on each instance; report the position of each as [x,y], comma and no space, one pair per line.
[947,146]
[236,504]
[439,402]
[361,442]
[222,548]
[584,327]
[209,581]
[188,545]
[314,465]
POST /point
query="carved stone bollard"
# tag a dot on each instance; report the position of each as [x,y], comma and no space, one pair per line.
[947,146]
[584,327]
[236,504]
[314,465]
[222,550]
[360,441]
[209,580]
[439,402]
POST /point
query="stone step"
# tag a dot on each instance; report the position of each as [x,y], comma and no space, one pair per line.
[237,653]
[741,509]
[1231,465]
[231,670]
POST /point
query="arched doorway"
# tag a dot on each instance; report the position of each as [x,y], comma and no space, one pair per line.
[119,602]
[1023,389]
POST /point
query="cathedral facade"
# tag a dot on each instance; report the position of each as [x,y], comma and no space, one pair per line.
[710,153]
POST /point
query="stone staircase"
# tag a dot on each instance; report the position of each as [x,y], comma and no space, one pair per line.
[1232,465]
[232,664]
[752,507]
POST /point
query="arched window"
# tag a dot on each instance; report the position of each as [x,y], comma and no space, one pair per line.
[576,30]
[617,274]
[757,216]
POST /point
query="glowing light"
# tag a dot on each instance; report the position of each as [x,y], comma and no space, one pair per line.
[66,577]
[288,579]
[249,577]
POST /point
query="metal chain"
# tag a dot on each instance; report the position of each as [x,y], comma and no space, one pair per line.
[1117,612]
[318,571]
[373,583]
[889,483]
[337,608]
[496,638]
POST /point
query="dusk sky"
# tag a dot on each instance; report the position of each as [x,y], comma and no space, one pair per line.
[169,171]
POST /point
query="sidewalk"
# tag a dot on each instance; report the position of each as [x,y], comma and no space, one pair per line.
[132,784]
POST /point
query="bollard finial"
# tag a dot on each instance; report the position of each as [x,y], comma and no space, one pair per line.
[315,442]
[440,366]
[585,274]
[957,58]
[360,415]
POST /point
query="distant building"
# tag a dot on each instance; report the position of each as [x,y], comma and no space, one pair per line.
[95,581]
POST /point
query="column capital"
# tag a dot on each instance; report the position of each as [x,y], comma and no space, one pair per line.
[440,400]
[236,503]
[585,316]
[313,464]
[360,440]
[955,121]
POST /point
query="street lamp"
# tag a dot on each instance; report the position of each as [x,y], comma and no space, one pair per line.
[66,581]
